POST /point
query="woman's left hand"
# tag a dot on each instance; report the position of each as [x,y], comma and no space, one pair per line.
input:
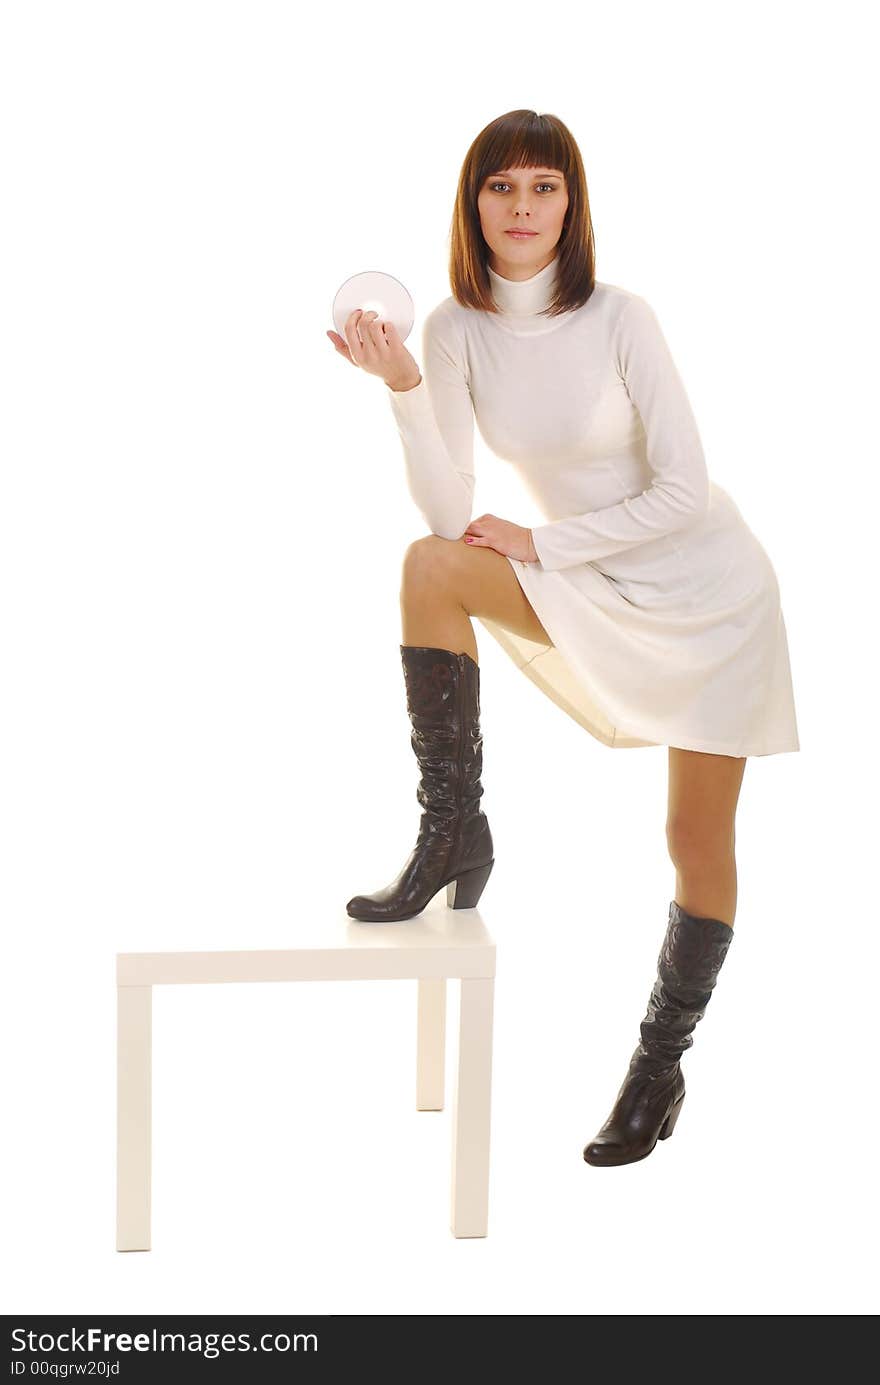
[508,539]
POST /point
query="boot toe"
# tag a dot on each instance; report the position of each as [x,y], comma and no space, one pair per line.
[604,1154]
[368,910]
[361,907]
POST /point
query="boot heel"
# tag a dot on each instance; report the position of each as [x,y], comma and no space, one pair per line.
[669,1123]
[464,892]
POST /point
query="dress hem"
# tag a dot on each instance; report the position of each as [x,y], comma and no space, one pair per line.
[614,738]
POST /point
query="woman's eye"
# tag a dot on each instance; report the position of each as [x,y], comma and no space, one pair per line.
[493,186]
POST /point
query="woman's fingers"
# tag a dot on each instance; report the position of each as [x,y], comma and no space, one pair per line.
[351,335]
[356,342]
[361,333]
[340,346]
[376,340]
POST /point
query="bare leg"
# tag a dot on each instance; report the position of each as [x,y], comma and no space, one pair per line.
[701,832]
[430,611]
[445,582]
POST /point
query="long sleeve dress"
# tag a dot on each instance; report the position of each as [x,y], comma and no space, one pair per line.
[662,608]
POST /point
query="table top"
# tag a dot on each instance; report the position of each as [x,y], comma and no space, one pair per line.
[438,942]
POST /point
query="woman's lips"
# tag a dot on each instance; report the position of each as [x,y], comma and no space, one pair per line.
[521,235]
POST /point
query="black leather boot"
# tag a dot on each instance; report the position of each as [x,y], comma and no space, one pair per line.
[454,845]
[649,1102]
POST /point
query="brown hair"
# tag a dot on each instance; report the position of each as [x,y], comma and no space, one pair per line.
[522,139]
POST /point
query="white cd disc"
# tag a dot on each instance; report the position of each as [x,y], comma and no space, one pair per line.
[375,292]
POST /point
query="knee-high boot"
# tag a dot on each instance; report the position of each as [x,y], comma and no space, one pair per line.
[454,844]
[650,1099]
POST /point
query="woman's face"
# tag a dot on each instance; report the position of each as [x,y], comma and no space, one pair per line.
[533,199]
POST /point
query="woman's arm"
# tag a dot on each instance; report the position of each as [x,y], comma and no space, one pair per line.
[435,420]
[679,491]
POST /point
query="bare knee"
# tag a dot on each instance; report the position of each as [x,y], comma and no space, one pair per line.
[696,846]
[427,563]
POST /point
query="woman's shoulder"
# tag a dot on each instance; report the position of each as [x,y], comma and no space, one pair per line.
[616,296]
[445,322]
[445,312]
[613,292]
[625,311]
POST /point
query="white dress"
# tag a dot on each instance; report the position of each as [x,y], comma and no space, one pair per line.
[662,607]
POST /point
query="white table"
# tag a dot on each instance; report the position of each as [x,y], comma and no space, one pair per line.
[438,945]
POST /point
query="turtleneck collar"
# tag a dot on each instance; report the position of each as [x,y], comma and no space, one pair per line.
[525,297]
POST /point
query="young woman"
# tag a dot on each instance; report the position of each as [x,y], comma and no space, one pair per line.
[644,606]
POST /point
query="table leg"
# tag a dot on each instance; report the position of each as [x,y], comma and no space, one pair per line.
[133,1116]
[472,1101]
[431,1044]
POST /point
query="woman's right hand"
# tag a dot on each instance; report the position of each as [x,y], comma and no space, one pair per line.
[378,349]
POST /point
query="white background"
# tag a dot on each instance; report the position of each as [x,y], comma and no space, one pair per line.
[203,722]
